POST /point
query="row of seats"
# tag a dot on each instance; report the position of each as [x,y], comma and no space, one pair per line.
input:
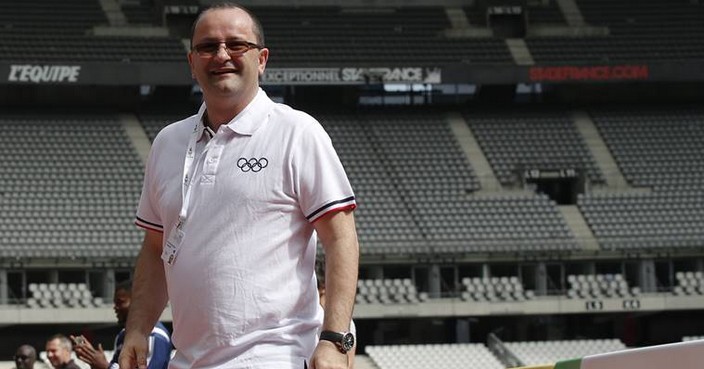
[388,291]
[470,356]
[514,142]
[49,17]
[689,283]
[599,286]
[412,36]
[544,352]
[390,158]
[494,289]
[650,17]
[446,356]
[61,295]
[406,203]
[21,48]
[77,196]
[654,146]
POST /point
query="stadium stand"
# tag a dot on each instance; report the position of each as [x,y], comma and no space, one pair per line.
[599,286]
[53,48]
[494,289]
[650,220]
[689,283]
[449,356]
[416,183]
[692,338]
[49,31]
[516,141]
[545,13]
[333,36]
[58,295]
[388,291]
[70,181]
[646,32]
[383,216]
[423,182]
[47,17]
[654,149]
[543,352]
[76,197]
[153,120]
[138,11]
[649,17]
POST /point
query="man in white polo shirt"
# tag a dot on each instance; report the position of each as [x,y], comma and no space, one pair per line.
[232,201]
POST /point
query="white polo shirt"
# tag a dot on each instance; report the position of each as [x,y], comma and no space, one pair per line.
[242,285]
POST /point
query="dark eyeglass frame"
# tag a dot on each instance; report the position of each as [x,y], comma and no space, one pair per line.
[232,47]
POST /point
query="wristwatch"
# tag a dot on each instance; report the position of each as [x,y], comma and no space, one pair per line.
[343,340]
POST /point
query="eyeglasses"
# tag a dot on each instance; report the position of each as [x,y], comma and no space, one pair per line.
[21,357]
[233,47]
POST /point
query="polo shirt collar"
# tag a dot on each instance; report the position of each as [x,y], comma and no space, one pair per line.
[248,121]
[253,116]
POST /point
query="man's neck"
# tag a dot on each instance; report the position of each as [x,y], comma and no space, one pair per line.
[208,123]
[222,111]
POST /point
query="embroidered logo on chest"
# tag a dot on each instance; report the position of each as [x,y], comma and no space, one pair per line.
[252,164]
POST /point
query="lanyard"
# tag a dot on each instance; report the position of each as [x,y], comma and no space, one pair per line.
[189,172]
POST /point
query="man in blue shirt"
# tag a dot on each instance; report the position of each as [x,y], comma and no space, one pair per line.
[159,339]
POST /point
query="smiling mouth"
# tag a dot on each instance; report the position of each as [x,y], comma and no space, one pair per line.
[222,72]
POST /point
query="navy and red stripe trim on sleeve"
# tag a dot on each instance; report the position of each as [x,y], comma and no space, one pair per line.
[344,204]
[148,225]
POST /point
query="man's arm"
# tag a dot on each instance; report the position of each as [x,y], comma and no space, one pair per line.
[338,235]
[149,299]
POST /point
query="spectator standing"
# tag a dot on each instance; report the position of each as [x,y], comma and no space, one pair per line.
[58,352]
[159,339]
[26,358]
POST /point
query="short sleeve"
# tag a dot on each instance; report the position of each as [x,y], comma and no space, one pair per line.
[319,177]
[147,215]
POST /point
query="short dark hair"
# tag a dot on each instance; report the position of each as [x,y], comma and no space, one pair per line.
[31,351]
[257,29]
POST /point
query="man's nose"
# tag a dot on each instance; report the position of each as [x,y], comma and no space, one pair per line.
[222,52]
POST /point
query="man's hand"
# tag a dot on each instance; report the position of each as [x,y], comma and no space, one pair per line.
[87,353]
[134,351]
[327,356]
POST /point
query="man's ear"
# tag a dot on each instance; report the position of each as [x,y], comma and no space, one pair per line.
[190,64]
[263,58]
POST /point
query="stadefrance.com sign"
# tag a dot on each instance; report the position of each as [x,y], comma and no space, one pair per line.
[28,73]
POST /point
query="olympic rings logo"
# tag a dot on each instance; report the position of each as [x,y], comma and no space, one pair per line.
[255,165]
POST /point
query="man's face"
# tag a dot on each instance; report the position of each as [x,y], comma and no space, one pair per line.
[222,74]
[57,354]
[121,305]
[24,358]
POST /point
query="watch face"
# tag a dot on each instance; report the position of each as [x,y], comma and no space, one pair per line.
[347,341]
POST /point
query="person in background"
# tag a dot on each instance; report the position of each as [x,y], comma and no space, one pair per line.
[159,339]
[26,358]
[58,351]
[233,201]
